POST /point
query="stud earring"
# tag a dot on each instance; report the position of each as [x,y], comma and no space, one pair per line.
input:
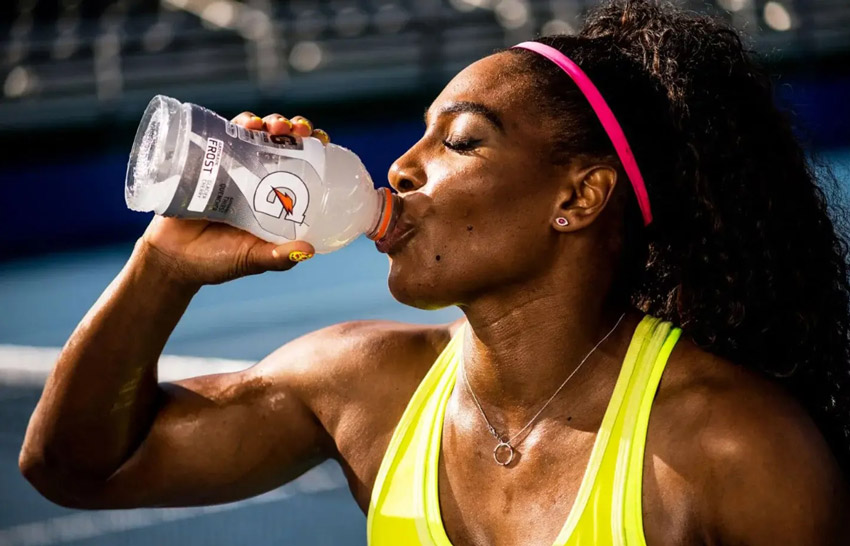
[561,221]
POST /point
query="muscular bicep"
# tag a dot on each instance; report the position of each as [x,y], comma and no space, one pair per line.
[220,438]
[224,437]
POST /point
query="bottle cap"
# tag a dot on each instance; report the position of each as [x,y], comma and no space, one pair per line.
[388,213]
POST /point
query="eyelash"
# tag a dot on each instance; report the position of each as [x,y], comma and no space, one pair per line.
[461,146]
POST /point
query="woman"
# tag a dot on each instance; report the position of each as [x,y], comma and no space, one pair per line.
[701,279]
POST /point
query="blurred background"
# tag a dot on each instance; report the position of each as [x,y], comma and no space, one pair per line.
[76,76]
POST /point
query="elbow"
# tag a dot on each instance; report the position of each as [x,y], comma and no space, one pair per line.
[35,470]
[52,483]
[33,466]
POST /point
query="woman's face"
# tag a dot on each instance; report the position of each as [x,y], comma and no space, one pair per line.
[479,191]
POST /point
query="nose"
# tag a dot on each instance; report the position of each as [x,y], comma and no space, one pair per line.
[406,174]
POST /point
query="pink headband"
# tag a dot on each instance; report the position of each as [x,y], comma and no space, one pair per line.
[606,117]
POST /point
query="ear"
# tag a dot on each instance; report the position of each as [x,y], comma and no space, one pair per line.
[585,192]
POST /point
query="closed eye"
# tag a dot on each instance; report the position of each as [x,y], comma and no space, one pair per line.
[461,145]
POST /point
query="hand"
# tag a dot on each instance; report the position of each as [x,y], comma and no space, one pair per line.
[198,252]
[276,124]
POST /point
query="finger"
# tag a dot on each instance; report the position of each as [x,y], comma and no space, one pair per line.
[289,254]
[302,126]
[277,124]
[271,257]
[249,120]
[321,135]
[294,252]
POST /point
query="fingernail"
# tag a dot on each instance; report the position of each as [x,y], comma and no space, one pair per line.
[321,135]
[298,256]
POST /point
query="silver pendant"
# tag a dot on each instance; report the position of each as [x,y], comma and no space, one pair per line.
[500,451]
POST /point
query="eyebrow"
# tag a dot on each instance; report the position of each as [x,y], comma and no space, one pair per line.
[472,108]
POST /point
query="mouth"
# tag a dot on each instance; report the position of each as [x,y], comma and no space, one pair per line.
[396,239]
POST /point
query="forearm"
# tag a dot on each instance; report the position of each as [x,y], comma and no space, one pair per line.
[101,397]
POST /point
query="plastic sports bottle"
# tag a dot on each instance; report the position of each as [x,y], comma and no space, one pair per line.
[189,162]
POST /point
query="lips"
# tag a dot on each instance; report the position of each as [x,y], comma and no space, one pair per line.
[396,239]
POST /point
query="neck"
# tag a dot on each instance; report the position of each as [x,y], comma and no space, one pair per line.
[519,350]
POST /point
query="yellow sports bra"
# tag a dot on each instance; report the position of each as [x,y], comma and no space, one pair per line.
[405,510]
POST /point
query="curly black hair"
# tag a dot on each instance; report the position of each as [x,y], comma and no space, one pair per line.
[748,248]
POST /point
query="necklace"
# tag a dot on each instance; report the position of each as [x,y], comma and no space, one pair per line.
[503,453]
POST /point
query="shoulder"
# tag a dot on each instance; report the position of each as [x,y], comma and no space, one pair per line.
[356,378]
[344,366]
[758,469]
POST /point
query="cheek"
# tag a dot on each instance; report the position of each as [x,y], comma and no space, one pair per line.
[470,238]
[453,267]
[492,210]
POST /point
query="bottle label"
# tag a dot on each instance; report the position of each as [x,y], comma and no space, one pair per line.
[267,186]
[262,138]
[207,175]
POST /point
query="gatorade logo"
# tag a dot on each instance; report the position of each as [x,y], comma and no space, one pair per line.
[282,195]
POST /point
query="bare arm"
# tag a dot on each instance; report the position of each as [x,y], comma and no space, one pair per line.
[782,488]
[101,397]
[103,424]
[221,438]
[105,433]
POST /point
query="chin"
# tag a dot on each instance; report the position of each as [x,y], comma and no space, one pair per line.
[419,287]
